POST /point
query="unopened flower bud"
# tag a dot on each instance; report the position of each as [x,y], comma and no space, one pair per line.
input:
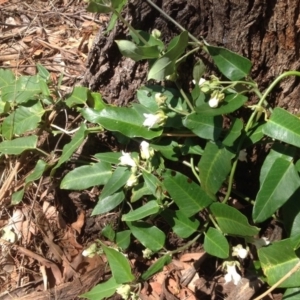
[156,33]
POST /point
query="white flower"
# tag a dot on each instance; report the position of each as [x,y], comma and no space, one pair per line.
[132,180]
[261,242]
[146,152]
[239,251]
[124,291]
[201,81]
[232,274]
[243,155]
[127,160]
[160,99]
[147,253]
[213,102]
[151,120]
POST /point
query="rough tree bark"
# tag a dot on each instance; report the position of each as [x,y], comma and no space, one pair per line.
[266,32]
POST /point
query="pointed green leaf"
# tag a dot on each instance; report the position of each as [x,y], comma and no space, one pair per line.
[207,127]
[161,68]
[181,224]
[292,294]
[109,157]
[149,236]
[123,239]
[102,290]
[216,244]
[17,197]
[280,184]
[24,118]
[139,191]
[69,148]
[231,221]
[135,52]
[230,64]
[127,121]
[277,260]
[87,176]
[78,96]
[108,232]
[283,126]
[140,213]
[115,182]
[108,203]
[153,184]
[177,45]
[234,132]
[17,146]
[38,171]
[119,265]
[157,266]
[214,166]
[189,196]
[230,104]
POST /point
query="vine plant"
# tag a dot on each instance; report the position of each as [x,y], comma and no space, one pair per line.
[181,127]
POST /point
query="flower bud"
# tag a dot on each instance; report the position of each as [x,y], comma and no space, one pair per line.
[154,119]
[146,151]
[156,33]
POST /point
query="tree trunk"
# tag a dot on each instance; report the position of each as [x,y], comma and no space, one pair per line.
[266,32]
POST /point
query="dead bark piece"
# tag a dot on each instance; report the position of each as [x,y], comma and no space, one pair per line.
[245,289]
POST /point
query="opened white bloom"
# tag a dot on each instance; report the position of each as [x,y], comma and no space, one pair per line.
[243,155]
[201,81]
[127,160]
[124,291]
[146,151]
[132,180]
[232,274]
[213,102]
[154,119]
[239,251]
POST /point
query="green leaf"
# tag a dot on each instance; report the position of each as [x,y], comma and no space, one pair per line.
[169,150]
[254,135]
[17,197]
[156,267]
[127,121]
[234,132]
[26,88]
[131,50]
[69,148]
[278,150]
[216,244]
[43,72]
[181,224]
[153,184]
[24,118]
[118,5]
[149,236]
[98,6]
[177,45]
[230,104]
[230,64]
[151,40]
[108,232]
[140,213]
[280,184]
[291,219]
[115,182]
[38,171]
[292,294]
[161,68]
[207,127]
[283,126]
[17,146]
[102,290]
[78,96]
[108,203]
[139,191]
[189,196]
[7,78]
[277,260]
[123,239]
[119,265]
[109,157]
[87,176]
[214,166]
[231,221]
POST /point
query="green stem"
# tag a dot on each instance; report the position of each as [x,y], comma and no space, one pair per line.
[187,54]
[185,96]
[130,27]
[250,123]
[173,21]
